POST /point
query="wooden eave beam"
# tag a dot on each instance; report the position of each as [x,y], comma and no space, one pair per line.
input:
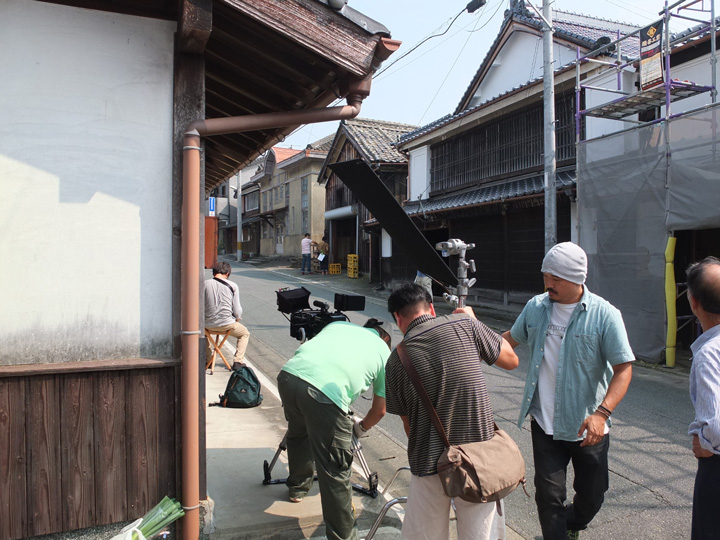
[230,153]
[262,82]
[254,102]
[194,26]
[317,28]
[304,76]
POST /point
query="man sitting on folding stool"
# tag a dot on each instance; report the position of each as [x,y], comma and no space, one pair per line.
[223,309]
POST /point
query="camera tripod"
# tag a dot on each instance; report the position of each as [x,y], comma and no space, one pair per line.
[372,477]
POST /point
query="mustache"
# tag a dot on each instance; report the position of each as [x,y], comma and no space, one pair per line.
[551,290]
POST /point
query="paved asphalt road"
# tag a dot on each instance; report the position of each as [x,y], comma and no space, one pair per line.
[651,466]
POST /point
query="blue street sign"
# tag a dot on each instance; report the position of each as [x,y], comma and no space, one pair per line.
[211,206]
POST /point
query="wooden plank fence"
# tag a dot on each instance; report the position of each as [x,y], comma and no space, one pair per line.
[85,447]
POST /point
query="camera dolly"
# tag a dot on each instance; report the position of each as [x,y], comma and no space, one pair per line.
[371,477]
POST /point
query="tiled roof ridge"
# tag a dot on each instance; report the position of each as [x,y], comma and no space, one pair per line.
[320,143]
[688,31]
[534,21]
[376,138]
[372,121]
[592,18]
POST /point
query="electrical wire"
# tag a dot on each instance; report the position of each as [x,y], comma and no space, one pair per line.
[500,4]
[534,61]
[420,43]
[416,58]
[447,75]
[458,58]
[647,15]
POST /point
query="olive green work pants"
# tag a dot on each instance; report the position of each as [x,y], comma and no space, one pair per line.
[319,431]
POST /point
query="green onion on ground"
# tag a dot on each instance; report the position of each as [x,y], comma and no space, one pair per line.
[159,517]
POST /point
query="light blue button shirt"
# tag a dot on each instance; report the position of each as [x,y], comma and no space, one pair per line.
[594,342]
[705,389]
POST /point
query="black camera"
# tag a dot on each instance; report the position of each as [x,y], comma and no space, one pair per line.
[305,322]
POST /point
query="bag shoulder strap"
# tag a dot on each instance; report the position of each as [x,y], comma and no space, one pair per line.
[415,378]
[226,284]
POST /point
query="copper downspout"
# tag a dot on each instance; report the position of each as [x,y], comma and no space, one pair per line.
[358,90]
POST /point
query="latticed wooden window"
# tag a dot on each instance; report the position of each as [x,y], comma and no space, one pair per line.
[509,145]
[304,192]
[252,201]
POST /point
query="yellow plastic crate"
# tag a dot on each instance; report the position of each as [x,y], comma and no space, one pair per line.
[334,268]
[352,272]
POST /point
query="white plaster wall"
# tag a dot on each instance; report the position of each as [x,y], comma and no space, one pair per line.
[86,171]
[698,71]
[608,79]
[419,174]
[519,61]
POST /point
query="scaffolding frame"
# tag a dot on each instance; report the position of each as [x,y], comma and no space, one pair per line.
[665,93]
[628,103]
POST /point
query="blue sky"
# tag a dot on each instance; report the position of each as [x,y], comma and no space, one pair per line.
[429,82]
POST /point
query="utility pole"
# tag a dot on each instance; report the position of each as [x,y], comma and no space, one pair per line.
[549,132]
[239,234]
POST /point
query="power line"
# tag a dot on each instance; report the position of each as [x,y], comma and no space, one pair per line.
[420,43]
[419,122]
[500,4]
[458,58]
[652,15]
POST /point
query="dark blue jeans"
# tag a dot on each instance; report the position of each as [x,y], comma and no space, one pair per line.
[305,262]
[706,500]
[590,465]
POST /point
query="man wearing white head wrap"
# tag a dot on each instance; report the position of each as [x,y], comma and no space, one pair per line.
[580,369]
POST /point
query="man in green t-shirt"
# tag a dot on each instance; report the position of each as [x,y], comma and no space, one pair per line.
[317,386]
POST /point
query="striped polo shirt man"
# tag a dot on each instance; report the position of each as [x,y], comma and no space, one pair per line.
[447,352]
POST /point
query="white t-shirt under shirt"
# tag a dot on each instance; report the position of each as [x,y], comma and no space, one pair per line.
[543,409]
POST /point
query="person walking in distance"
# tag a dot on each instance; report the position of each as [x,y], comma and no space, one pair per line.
[703,282]
[306,251]
[447,353]
[324,249]
[223,310]
[580,369]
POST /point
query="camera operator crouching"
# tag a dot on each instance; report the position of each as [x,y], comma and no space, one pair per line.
[317,387]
